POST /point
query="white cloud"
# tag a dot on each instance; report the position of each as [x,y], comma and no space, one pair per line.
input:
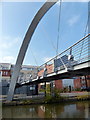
[7,41]
[73,20]
[7,59]
[7,45]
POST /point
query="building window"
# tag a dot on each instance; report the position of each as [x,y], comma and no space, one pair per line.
[6,73]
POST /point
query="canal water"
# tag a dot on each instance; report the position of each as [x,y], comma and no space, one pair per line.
[63,110]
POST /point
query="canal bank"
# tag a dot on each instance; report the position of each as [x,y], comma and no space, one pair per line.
[48,99]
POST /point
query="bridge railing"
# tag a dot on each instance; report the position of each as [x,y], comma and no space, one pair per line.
[74,55]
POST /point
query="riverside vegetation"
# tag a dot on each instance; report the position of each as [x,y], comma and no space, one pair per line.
[50,97]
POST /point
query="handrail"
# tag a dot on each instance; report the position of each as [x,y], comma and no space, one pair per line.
[65,50]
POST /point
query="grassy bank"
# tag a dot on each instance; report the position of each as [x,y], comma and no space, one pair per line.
[48,99]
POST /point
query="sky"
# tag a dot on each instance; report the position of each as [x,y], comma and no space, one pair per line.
[15,18]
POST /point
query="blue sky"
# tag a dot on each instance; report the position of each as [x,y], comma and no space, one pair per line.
[16,18]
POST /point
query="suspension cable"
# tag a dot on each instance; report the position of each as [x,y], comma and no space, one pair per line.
[86,27]
[59,21]
[58,35]
[34,57]
[53,46]
[87,24]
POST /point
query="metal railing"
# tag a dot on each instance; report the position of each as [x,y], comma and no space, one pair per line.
[74,55]
[79,53]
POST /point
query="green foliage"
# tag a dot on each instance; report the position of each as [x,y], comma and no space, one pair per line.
[78,89]
[48,98]
[26,101]
[82,97]
[42,90]
[65,89]
[53,97]
[56,93]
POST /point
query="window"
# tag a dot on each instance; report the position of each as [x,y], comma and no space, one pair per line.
[6,73]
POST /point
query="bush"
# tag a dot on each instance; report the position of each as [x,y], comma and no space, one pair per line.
[56,93]
[78,89]
[53,97]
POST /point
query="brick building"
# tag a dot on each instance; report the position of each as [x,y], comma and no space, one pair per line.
[26,74]
[57,83]
[82,82]
[77,83]
[5,69]
[6,73]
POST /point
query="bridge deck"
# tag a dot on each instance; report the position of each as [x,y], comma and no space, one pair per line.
[74,61]
[78,70]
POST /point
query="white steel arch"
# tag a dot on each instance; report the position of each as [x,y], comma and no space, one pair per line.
[24,46]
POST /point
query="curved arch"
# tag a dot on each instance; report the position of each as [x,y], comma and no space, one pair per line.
[25,44]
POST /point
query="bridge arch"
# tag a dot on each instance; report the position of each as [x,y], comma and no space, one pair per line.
[25,44]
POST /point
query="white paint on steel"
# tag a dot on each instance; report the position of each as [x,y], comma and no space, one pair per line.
[25,44]
[77,67]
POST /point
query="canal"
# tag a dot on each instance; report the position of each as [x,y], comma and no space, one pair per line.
[64,110]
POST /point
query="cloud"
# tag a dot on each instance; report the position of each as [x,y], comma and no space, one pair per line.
[8,45]
[7,59]
[73,20]
[8,42]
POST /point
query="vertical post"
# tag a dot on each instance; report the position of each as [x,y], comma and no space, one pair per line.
[45,71]
[86,81]
[45,88]
[36,89]
[70,58]
[89,30]
[51,88]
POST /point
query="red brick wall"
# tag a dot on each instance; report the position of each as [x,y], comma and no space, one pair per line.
[6,73]
[88,81]
[58,84]
[77,83]
[49,70]
[40,73]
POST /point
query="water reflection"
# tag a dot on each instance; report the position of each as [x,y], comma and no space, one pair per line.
[72,110]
